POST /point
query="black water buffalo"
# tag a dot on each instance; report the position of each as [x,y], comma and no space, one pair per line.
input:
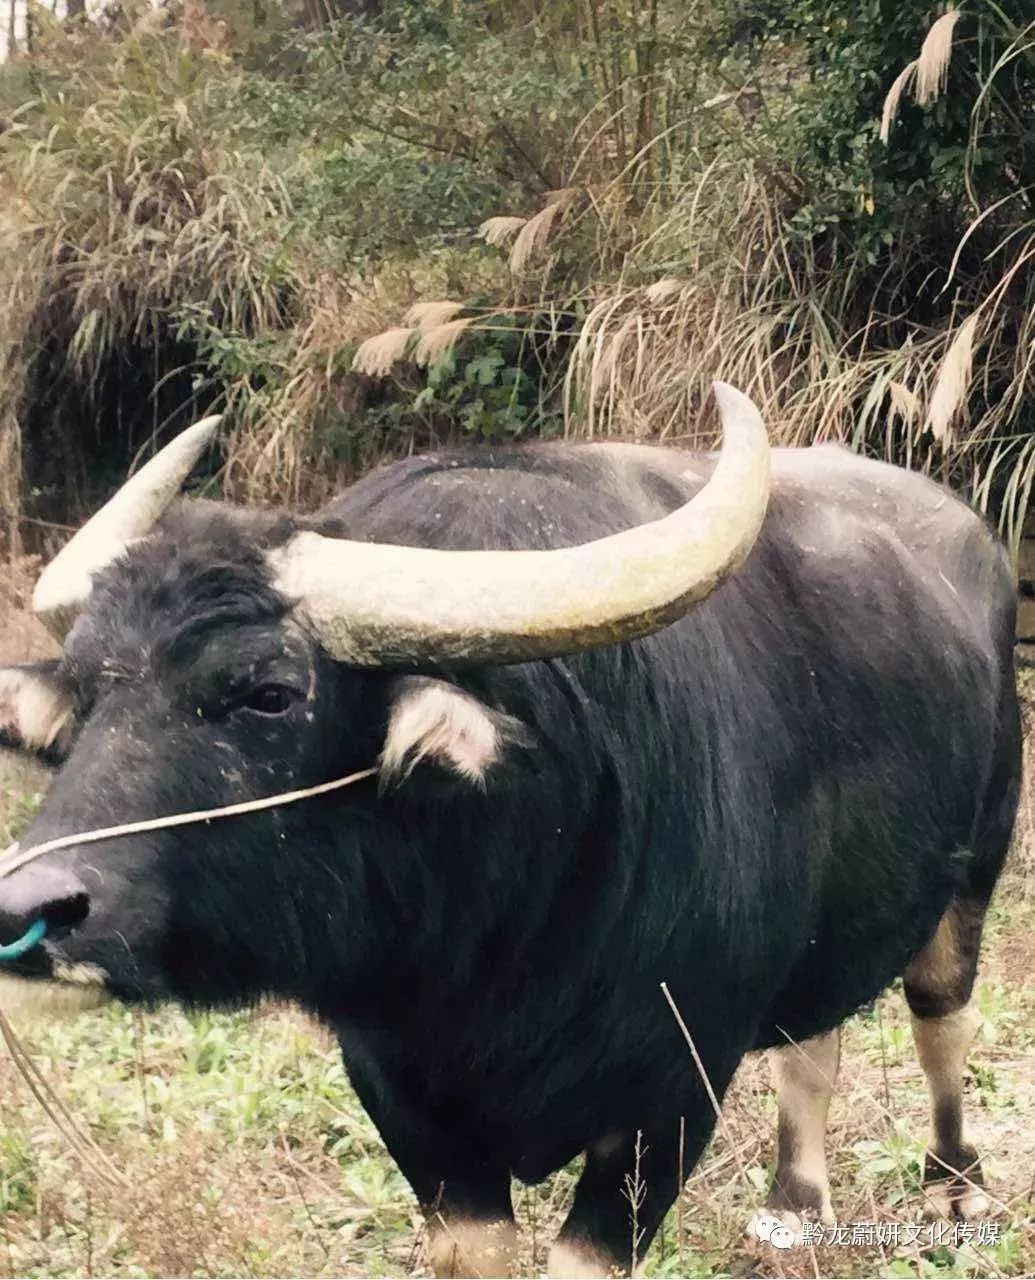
[633,727]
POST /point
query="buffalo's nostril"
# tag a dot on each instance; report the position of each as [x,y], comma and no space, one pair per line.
[54,895]
[65,913]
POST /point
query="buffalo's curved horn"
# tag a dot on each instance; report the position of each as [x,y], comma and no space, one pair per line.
[64,585]
[381,605]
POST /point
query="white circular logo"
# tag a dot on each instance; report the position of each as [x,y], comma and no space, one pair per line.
[769,1227]
[782,1237]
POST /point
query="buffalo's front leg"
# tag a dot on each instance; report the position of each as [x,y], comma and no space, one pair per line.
[627,1186]
[466,1202]
[462,1245]
[463,1191]
[804,1075]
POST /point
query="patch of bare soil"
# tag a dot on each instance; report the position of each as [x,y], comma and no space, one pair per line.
[23,638]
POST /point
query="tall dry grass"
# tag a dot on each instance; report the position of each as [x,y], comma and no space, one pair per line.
[121,208]
[654,243]
[668,282]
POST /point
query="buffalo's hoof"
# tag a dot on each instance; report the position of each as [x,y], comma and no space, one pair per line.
[955,1195]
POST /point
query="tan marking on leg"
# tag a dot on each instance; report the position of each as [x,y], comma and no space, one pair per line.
[944,969]
[469,1247]
[942,1045]
[569,1261]
[804,1076]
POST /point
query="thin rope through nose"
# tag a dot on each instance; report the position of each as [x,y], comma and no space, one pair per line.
[13,858]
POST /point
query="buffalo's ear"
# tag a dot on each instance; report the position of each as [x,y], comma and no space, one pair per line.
[37,710]
[434,721]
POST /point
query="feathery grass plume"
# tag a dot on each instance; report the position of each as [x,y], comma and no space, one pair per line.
[376,356]
[905,404]
[436,342]
[583,383]
[497,231]
[953,382]
[532,236]
[536,231]
[429,315]
[928,73]
[561,195]
[610,352]
[891,102]
[663,290]
[932,66]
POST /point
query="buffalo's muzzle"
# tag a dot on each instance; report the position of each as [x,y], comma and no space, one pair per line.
[38,892]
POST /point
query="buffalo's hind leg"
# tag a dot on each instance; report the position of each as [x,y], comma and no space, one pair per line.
[940,980]
[938,986]
[804,1075]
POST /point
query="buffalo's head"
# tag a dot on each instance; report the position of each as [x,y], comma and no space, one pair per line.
[212,656]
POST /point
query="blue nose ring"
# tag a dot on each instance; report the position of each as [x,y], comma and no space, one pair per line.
[29,939]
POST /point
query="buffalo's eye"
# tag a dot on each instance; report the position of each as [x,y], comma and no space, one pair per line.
[270,699]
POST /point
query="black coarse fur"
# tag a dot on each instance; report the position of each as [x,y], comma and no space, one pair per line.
[767,806]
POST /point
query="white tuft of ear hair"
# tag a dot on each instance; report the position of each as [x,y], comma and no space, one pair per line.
[433,720]
[35,712]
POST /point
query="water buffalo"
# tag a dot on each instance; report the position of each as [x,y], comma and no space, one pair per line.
[745,726]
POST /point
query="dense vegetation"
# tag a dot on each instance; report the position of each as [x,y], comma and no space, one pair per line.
[495,218]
